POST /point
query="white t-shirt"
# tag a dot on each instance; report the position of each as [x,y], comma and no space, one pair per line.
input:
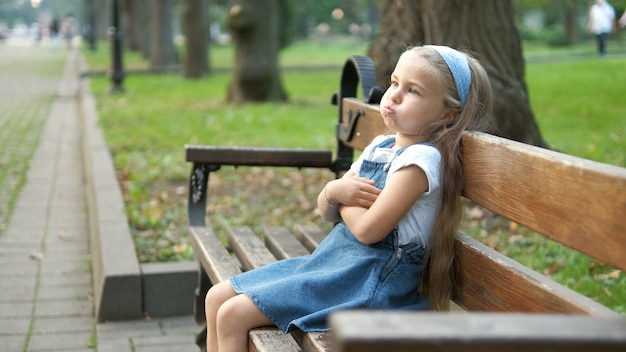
[416,225]
[601,17]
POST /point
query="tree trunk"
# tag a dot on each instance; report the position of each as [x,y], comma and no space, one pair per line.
[144,35]
[162,53]
[196,28]
[571,15]
[254,28]
[484,27]
[132,25]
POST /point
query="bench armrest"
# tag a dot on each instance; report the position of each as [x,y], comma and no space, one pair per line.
[250,156]
[431,331]
[207,159]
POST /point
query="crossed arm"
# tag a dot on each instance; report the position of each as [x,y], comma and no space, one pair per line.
[371,213]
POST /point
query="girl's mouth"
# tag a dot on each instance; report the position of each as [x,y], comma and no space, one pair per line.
[387,110]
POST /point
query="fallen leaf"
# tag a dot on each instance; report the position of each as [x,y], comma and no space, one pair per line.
[64,235]
[36,256]
[615,274]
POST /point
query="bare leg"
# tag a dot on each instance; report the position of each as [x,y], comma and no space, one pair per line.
[235,318]
[216,296]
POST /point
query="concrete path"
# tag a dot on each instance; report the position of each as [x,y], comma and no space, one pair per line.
[45,274]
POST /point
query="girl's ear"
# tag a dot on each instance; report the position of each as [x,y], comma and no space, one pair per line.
[449,115]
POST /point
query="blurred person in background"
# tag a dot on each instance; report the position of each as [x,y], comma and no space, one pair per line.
[600,23]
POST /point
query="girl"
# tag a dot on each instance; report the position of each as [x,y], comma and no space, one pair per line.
[397,211]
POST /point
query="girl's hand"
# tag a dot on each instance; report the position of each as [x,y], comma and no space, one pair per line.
[353,190]
[350,190]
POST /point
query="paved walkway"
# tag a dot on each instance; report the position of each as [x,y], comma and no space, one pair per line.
[45,273]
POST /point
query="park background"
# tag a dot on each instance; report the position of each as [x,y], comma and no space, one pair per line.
[576,98]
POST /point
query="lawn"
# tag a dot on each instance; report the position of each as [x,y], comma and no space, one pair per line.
[577,104]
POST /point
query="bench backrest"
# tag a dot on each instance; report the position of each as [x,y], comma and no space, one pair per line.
[576,202]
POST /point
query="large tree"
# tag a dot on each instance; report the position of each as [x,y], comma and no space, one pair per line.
[484,27]
[162,50]
[254,27]
[196,28]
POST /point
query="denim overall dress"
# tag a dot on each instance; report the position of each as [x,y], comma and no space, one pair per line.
[342,273]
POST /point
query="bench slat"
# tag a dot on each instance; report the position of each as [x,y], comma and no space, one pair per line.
[269,339]
[490,281]
[215,259]
[309,235]
[282,243]
[250,156]
[589,188]
[313,341]
[248,248]
[366,331]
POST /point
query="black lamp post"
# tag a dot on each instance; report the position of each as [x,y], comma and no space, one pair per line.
[115,35]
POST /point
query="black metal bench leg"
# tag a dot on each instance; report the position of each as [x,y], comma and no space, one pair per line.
[199,314]
[201,339]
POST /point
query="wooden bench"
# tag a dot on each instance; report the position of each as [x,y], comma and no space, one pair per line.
[577,202]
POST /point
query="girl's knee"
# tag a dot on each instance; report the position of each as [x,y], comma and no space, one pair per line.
[239,314]
[217,295]
[226,316]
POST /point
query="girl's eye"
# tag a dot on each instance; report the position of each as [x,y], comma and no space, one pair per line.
[413,91]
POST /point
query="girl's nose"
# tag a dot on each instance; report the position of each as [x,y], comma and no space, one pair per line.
[396,95]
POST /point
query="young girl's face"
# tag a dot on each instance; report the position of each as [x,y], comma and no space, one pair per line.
[414,99]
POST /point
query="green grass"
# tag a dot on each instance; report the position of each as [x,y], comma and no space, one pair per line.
[578,106]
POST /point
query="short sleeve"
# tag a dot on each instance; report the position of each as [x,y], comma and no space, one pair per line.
[426,157]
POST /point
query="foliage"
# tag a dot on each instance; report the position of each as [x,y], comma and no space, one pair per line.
[577,104]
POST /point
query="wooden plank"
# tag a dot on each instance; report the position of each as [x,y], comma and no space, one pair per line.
[577,202]
[269,339]
[367,331]
[282,243]
[248,247]
[313,341]
[251,156]
[490,281]
[309,235]
[213,256]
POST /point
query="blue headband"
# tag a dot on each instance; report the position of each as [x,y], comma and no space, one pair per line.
[459,66]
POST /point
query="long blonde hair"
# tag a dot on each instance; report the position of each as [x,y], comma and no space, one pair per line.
[446,134]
